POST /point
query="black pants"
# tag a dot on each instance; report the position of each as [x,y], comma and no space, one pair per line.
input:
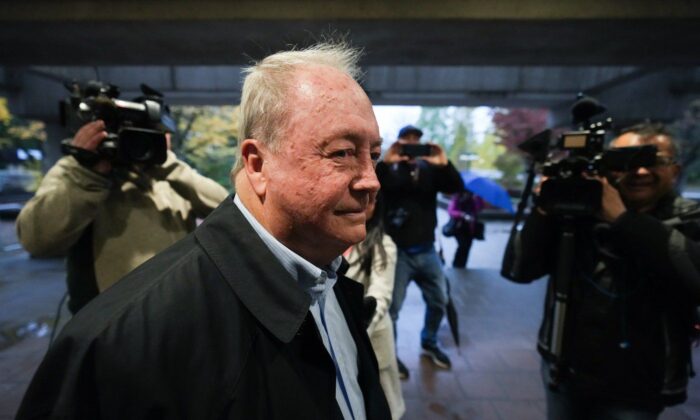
[464,245]
[80,272]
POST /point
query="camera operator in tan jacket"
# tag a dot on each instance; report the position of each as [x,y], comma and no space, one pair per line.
[108,220]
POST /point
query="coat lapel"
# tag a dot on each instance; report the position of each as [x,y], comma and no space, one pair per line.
[278,303]
[253,272]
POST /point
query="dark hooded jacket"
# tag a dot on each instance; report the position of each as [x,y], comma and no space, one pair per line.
[212,328]
[632,303]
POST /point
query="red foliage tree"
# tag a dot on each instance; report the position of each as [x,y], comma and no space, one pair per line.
[513,126]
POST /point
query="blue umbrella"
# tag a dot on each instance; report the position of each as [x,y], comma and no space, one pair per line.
[487,189]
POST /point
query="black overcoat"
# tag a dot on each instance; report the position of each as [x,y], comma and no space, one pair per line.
[212,328]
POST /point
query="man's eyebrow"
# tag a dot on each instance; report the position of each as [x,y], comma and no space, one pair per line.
[355,138]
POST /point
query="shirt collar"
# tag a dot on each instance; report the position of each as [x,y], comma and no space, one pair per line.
[316,281]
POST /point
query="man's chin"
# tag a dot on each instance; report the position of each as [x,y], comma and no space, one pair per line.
[355,236]
[637,191]
[638,200]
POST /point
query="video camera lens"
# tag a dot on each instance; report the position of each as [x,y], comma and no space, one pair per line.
[142,146]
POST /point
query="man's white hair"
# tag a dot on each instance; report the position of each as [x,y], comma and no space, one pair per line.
[264,94]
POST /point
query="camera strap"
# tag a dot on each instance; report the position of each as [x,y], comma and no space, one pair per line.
[84,157]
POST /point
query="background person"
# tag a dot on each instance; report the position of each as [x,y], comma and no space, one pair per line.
[373,264]
[410,185]
[108,220]
[246,318]
[635,289]
[464,208]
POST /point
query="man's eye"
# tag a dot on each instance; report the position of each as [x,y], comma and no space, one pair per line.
[343,153]
[375,156]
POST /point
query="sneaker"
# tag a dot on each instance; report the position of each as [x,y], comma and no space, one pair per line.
[403,370]
[438,357]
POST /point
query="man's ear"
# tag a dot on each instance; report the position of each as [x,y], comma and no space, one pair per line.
[253,161]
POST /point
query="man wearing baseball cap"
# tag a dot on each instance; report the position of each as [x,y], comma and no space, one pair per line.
[411,175]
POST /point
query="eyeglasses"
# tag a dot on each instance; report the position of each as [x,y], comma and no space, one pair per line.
[660,161]
[664,161]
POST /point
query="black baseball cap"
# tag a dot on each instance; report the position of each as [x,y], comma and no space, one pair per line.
[410,129]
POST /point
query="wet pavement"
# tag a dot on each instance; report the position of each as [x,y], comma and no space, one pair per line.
[30,289]
[495,372]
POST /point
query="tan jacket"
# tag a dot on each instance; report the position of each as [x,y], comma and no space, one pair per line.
[380,285]
[130,224]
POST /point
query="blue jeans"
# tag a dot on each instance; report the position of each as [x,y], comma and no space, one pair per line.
[426,269]
[565,405]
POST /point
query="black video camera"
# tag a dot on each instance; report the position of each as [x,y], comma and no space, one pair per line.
[568,191]
[415,150]
[135,129]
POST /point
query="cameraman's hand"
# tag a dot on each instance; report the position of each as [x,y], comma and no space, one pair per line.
[612,206]
[536,193]
[393,155]
[89,138]
[437,156]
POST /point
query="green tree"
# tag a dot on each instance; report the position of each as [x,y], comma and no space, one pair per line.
[28,136]
[19,134]
[450,127]
[511,167]
[436,125]
[488,151]
[207,139]
[460,146]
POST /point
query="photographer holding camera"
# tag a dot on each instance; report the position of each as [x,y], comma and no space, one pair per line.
[411,175]
[109,216]
[617,343]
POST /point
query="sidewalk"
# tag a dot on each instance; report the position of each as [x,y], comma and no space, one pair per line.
[30,290]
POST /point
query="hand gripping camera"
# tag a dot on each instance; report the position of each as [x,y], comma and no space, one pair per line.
[578,155]
[135,129]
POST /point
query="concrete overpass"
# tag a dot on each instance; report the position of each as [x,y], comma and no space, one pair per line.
[639,57]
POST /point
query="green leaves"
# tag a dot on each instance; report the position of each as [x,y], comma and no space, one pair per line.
[207,139]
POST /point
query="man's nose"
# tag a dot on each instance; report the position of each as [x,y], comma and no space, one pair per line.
[642,170]
[367,177]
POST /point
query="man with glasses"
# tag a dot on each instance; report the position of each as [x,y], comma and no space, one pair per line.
[633,300]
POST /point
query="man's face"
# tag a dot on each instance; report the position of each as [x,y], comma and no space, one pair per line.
[642,188]
[322,179]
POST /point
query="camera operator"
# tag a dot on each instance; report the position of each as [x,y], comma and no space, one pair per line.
[411,175]
[109,219]
[633,298]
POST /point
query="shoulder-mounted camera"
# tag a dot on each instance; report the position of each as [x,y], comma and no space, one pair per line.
[135,129]
[570,160]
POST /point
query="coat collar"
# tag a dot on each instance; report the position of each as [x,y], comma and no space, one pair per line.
[253,272]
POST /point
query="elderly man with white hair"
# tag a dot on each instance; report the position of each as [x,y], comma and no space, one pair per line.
[246,317]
